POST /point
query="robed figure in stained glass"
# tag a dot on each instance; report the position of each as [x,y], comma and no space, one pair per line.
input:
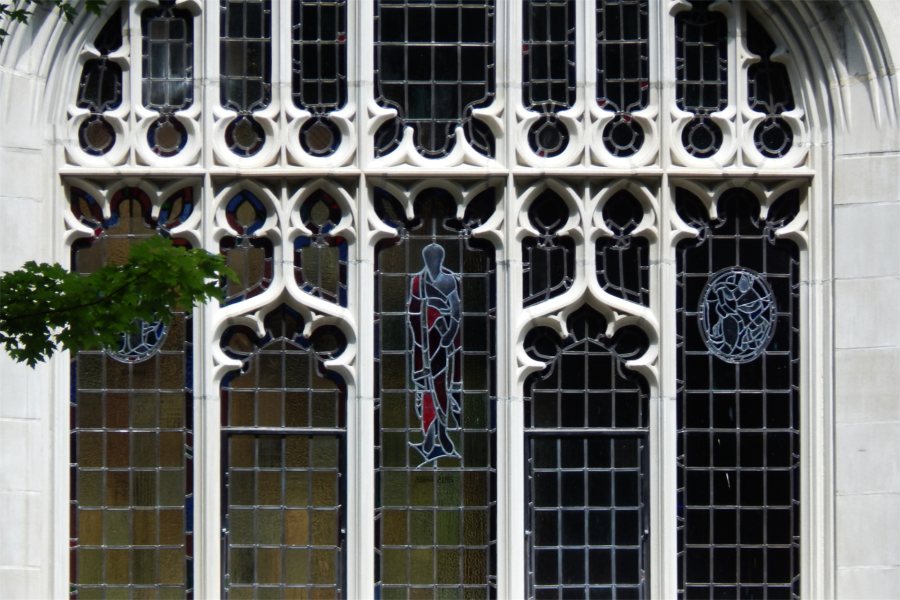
[433,317]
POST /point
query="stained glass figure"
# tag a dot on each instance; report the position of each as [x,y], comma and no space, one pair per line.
[283,457]
[434,64]
[246,70]
[586,428]
[738,400]
[769,90]
[320,259]
[548,261]
[100,89]
[250,256]
[435,298]
[319,69]
[701,69]
[131,434]
[623,260]
[548,70]
[434,320]
[167,36]
[623,71]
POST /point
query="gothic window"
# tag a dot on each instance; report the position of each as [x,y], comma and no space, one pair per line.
[131,423]
[509,316]
[435,383]
[738,398]
[283,449]
[586,420]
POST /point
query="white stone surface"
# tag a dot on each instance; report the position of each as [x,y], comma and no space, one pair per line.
[869,458]
[868,529]
[867,313]
[868,583]
[865,388]
[866,240]
[864,178]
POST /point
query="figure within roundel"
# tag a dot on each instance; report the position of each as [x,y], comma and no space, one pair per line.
[736,314]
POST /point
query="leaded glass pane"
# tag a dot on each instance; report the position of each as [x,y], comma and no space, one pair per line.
[586,419]
[131,432]
[548,70]
[738,400]
[769,92]
[623,259]
[248,255]
[548,260]
[320,259]
[100,89]
[168,69]
[245,63]
[435,310]
[701,69]
[283,441]
[623,70]
[319,69]
[434,64]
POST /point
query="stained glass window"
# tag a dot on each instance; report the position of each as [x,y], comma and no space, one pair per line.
[623,71]
[246,69]
[100,89]
[131,430]
[434,64]
[435,303]
[319,69]
[586,420]
[168,69]
[701,68]
[283,453]
[738,401]
[548,65]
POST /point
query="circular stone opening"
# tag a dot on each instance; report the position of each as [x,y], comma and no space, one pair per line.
[245,136]
[548,137]
[623,136]
[320,137]
[167,136]
[97,136]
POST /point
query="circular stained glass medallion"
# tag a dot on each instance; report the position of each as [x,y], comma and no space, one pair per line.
[140,343]
[736,314]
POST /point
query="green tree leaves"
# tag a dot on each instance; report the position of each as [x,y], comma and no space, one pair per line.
[43,307]
[18,11]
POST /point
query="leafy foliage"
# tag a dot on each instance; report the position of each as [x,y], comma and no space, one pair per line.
[18,11]
[44,307]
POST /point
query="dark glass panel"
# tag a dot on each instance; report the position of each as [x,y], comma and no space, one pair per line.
[738,473]
[548,70]
[131,432]
[701,69]
[587,490]
[248,255]
[623,260]
[548,260]
[623,70]
[434,64]
[769,91]
[100,89]
[435,399]
[245,54]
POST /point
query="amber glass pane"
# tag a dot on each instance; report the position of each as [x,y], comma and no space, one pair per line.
[131,438]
